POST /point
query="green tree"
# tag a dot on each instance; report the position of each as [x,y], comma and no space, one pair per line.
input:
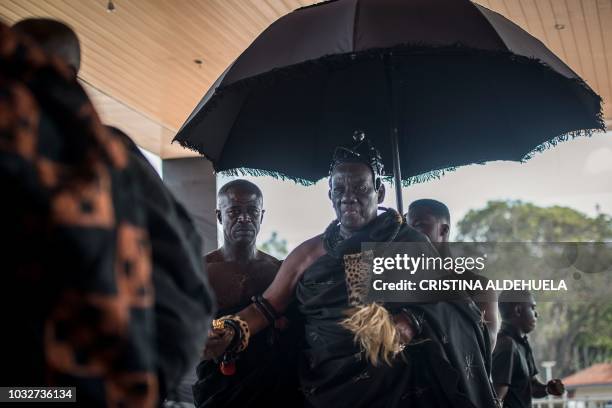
[515,221]
[275,246]
[574,334]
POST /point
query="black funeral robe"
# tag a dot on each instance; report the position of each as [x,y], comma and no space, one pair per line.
[446,366]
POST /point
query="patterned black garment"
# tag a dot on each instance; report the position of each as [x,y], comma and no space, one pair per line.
[444,367]
[183,302]
[85,292]
[514,366]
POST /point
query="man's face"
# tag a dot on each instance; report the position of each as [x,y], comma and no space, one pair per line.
[527,315]
[354,196]
[240,212]
[422,220]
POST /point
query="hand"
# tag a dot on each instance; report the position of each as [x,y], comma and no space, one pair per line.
[217,343]
[555,387]
[404,328]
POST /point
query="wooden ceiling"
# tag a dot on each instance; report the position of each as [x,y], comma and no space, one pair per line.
[138,61]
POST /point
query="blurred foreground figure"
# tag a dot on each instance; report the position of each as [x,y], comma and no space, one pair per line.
[95,280]
[514,369]
[55,38]
[266,373]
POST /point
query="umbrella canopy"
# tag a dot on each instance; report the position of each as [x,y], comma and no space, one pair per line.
[460,83]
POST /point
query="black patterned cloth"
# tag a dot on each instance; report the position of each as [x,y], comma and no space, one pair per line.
[101,290]
[444,367]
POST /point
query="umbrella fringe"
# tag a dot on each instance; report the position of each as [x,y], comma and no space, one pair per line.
[250,172]
[194,147]
[556,140]
[421,178]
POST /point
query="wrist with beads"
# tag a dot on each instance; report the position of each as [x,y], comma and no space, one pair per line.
[240,329]
[265,308]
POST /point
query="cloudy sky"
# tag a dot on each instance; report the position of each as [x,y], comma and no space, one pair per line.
[577,174]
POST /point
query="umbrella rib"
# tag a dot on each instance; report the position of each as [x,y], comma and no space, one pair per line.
[355,20]
[484,16]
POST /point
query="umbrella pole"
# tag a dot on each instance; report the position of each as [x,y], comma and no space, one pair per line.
[397,171]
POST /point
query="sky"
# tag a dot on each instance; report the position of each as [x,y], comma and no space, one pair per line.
[576,174]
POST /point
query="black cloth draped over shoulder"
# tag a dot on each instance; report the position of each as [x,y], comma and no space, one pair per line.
[446,366]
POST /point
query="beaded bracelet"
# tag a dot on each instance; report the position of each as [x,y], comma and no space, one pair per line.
[240,341]
[265,308]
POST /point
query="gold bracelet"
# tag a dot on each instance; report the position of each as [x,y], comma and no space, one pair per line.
[217,324]
[243,326]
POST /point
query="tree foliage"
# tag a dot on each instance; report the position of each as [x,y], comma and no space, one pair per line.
[515,221]
[574,334]
[275,246]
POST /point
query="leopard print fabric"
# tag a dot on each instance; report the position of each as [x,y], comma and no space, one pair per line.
[357,274]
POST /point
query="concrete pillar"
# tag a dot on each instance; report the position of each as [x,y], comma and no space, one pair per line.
[193,183]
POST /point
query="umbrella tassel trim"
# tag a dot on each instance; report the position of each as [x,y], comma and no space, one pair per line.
[424,177]
[556,140]
[250,172]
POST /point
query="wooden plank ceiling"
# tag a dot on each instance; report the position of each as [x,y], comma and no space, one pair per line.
[139,61]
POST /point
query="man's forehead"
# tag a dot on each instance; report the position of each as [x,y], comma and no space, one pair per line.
[354,171]
[527,298]
[236,196]
[420,212]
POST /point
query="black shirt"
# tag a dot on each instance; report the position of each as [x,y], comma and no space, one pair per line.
[514,366]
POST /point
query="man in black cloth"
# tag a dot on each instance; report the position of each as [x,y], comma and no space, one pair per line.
[366,355]
[264,374]
[432,218]
[514,369]
[181,303]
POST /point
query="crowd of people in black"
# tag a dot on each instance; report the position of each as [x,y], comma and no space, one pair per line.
[106,290]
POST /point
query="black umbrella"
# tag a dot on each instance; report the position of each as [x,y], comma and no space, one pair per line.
[434,83]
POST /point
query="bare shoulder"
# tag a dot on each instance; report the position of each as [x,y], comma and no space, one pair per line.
[291,271]
[305,254]
[312,244]
[214,256]
[267,258]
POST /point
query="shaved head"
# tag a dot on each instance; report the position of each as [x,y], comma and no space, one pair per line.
[434,207]
[509,299]
[54,37]
[432,218]
[240,185]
